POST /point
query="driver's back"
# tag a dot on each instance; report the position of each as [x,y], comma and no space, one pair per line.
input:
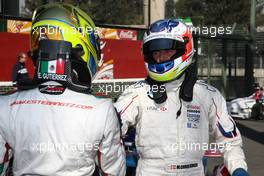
[56,131]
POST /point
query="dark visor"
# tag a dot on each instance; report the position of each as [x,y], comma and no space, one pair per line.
[162,44]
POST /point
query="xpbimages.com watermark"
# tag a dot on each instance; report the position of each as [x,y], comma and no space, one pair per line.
[111,88]
[212,31]
[43,31]
[191,147]
[57,31]
[117,88]
[194,146]
[55,147]
[89,147]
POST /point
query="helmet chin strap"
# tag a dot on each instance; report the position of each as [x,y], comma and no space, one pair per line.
[186,90]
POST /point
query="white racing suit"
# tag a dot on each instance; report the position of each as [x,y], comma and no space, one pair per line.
[175,146]
[60,134]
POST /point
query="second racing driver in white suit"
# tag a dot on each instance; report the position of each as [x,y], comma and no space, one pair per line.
[173,113]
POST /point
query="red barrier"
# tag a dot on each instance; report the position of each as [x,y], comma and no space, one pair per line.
[126,55]
[128,60]
[11,45]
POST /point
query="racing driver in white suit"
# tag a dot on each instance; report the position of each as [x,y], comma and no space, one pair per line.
[57,127]
[173,113]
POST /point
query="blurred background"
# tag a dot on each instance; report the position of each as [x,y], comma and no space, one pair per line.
[228,39]
[225,60]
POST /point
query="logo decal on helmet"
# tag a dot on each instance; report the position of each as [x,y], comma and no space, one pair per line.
[52,70]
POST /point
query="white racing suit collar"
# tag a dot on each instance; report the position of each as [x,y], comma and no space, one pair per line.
[175,84]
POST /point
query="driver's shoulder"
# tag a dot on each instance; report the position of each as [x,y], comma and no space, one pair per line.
[204,89]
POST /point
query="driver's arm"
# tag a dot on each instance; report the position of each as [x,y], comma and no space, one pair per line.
[127,108]
[225,132]
[111,154]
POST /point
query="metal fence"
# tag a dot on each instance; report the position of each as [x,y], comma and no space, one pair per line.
[229,63]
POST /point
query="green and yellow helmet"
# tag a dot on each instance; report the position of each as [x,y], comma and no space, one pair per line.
[68,23]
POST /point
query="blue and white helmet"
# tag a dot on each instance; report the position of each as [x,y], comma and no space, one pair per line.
[168,34]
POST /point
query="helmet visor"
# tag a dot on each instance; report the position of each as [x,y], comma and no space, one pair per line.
[162,44]
[44,32]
